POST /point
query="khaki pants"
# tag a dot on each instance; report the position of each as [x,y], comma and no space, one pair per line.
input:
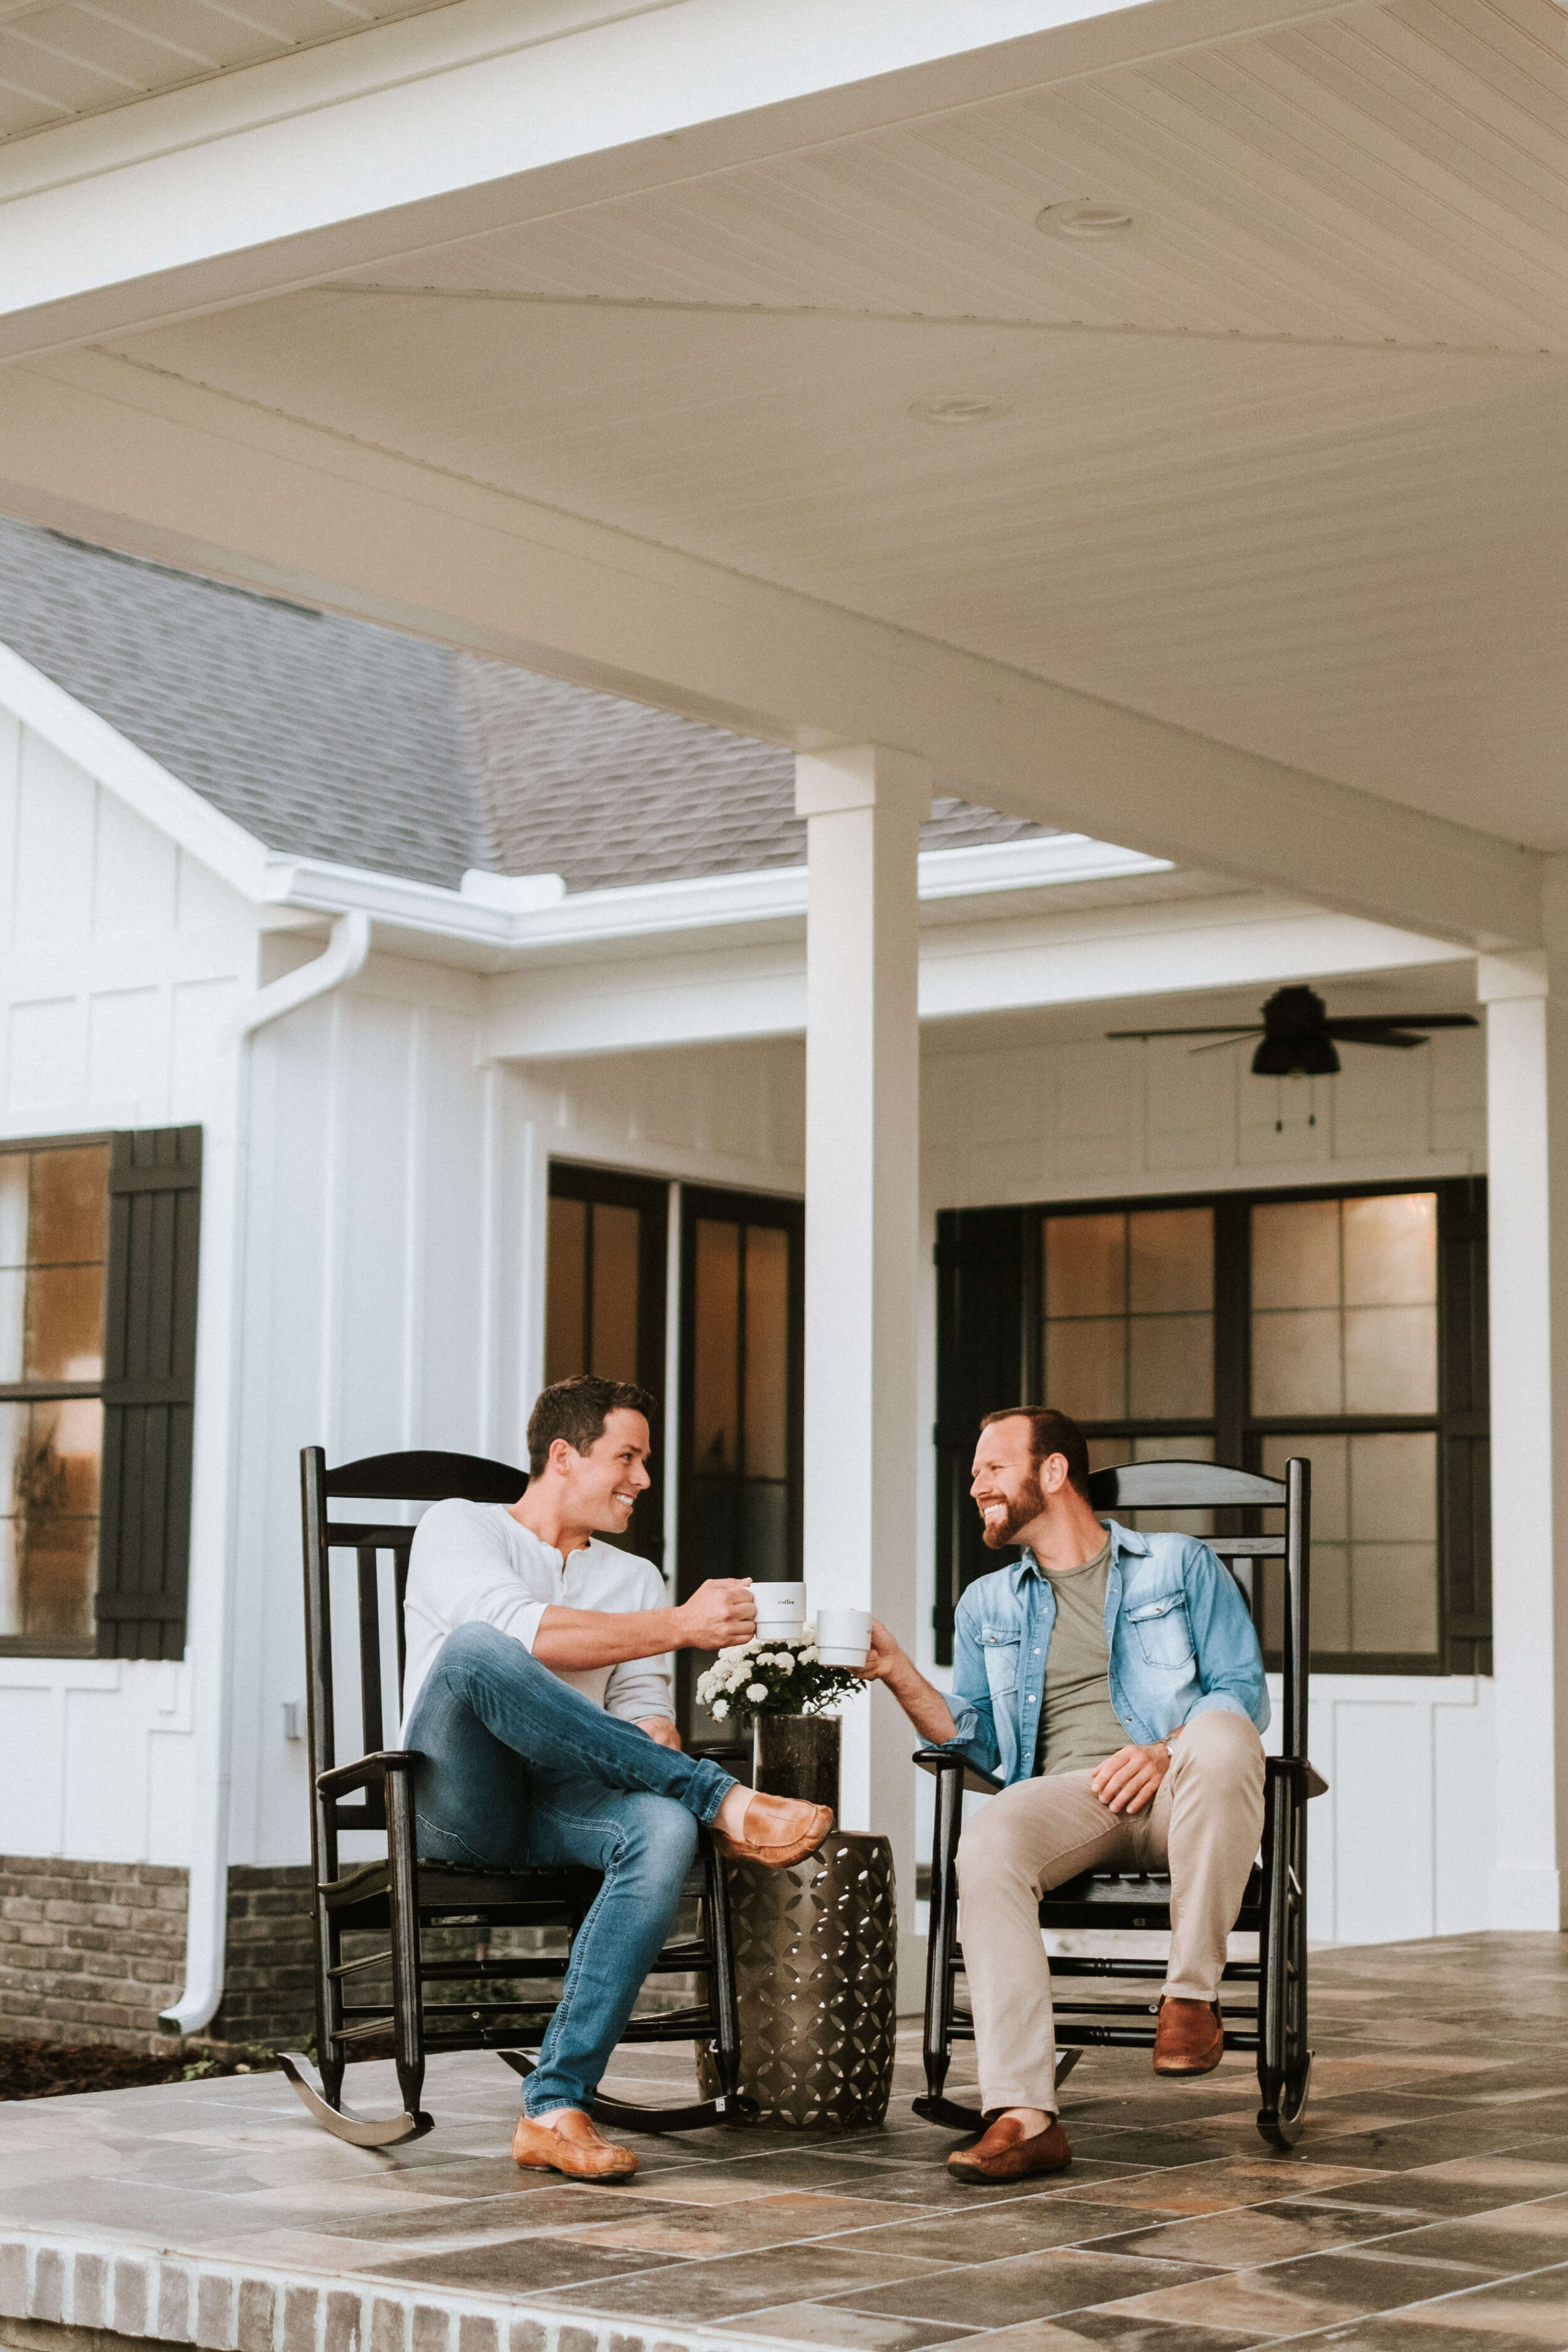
[1203,1827]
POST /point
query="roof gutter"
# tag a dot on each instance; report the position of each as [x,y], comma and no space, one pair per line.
[512,914]
[207,1913]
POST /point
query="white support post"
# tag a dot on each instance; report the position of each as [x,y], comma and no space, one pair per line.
[1526,997]
[864,806]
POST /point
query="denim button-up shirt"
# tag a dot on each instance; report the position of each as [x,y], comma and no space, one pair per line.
[1178,1631]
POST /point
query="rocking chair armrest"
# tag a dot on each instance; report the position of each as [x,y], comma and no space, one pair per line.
[938,1761]
[1300,1769]
[344,1777]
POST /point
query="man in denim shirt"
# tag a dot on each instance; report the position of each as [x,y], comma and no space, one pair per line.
[1114,1683]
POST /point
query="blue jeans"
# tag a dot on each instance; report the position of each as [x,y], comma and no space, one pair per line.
[519,1769]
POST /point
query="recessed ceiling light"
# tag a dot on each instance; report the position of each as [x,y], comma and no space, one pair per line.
[959,408]
[1085,216]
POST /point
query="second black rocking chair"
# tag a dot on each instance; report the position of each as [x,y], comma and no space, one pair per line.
[1273,1907]
[402,1899]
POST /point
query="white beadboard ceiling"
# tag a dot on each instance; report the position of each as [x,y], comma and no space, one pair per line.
[63,58]
[1283,462]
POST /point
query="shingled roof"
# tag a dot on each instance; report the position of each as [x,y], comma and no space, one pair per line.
[328,738]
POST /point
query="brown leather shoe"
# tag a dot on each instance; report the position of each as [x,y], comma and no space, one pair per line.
[569,2143]
[776,1831]
[1004,2154]
[1189,2037]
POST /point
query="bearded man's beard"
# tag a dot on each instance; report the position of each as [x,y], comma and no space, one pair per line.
[1027,1504]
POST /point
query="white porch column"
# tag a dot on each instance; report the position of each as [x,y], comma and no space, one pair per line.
[864,807]
[1526,997]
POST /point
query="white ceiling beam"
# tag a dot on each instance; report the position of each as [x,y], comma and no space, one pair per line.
[715,994]
[165,468]
[484,114]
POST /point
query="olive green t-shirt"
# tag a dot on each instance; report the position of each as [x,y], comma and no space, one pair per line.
[1078,1726]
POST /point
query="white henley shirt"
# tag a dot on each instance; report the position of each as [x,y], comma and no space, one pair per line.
[474,1564]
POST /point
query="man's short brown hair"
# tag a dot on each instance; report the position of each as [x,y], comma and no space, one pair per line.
[1051,1432]
[577,1410]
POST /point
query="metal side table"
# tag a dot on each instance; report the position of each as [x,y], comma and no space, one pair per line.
[815,1977]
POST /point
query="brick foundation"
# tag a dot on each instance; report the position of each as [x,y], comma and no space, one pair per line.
[91,1951]
[268,1986]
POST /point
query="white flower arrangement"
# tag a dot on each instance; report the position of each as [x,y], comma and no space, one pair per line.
[784,1675]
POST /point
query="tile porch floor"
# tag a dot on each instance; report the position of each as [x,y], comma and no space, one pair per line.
[1426,2206]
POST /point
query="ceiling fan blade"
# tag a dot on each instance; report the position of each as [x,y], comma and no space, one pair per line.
[1230,1029]
[1220,1044]
[1403,1039]
[1356,1024]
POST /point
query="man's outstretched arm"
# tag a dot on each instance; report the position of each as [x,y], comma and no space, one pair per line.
[719,1614]
[921,1701]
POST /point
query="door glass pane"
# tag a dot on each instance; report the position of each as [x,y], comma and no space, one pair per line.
[1390,1250]
[715,1370]
[616,1234]
[565,1292]
[1170,1367]
[1085,1265]
[1393,1597]
[1297,1362]
[1390,1360]
[1296,1253]
[1392,1487]
[1086,1369]
[767,1353]
[49,1481]
[1169,1261]
[1374,1548]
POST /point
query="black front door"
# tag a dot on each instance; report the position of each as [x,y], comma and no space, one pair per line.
[742,1322]
[604,1303]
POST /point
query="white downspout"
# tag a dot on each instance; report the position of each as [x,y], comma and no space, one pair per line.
[207,1919]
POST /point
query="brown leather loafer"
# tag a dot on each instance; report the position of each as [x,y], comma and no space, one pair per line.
[1004,2154]
[776,1831]
[1189,2037]
[569,2144]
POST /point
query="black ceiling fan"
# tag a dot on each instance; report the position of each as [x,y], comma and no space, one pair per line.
[1298,1038]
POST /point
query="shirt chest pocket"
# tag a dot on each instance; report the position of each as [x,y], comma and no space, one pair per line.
[1161,1631]
[1001,1655]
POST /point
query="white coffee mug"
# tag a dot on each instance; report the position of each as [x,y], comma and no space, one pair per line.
[781,1608]
[844,1636]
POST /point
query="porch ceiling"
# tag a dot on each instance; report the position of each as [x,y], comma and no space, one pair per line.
[1277,464]
[62,59]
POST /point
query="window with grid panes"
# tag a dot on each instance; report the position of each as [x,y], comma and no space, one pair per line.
[53,1219]
[1349,1327]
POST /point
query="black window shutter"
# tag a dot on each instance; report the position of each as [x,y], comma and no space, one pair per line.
[981,1356]
[149,1392]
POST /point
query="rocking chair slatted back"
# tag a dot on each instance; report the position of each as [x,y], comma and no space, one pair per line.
[419,1477]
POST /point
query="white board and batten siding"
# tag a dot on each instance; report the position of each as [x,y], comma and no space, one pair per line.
[1401,1844]
[122,962]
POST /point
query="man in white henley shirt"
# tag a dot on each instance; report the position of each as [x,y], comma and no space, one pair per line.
[539,1698]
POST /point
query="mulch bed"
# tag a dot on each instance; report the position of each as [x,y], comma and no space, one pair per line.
[51,2070]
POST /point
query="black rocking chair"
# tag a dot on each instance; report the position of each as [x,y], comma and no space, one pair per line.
[401,1897]
[1274,1907]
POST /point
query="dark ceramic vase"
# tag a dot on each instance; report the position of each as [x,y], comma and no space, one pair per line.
[796,1756]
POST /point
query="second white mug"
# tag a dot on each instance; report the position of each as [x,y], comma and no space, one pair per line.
[844,1636]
